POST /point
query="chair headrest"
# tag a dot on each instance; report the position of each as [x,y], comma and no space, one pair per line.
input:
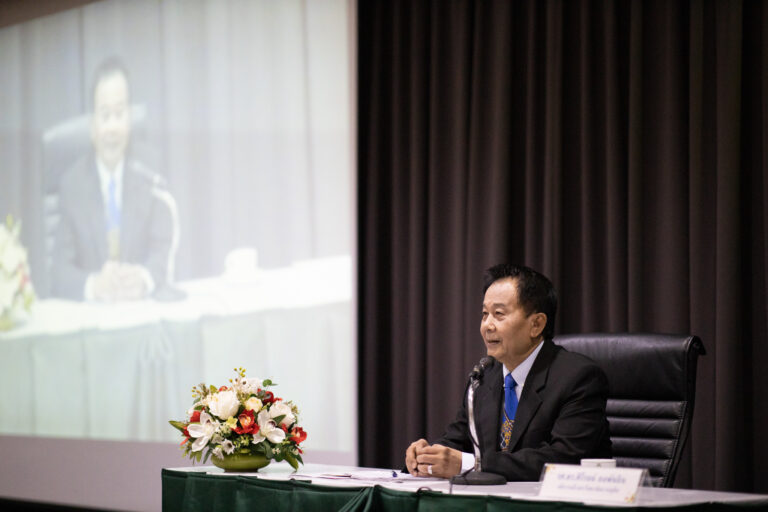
[641,366]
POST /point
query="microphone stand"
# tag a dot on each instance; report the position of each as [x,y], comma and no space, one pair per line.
[166,291]
[476,476]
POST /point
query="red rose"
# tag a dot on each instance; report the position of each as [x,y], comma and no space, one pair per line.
[195,418]
[223,388]
[298,435]
[247,422]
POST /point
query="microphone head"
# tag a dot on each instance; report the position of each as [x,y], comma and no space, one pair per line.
[486,362]
[479,369]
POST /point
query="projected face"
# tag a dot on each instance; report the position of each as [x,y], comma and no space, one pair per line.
[111,121]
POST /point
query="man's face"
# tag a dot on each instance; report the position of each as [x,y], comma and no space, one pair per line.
[111,122]
[510,334]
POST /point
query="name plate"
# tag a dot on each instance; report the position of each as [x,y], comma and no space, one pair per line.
[590,484]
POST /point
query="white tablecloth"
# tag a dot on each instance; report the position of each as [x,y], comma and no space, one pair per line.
[122,371]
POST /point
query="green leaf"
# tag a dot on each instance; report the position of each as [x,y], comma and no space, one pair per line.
[278,419]
[267,382]
[180,425]
[213,388]
[292,461]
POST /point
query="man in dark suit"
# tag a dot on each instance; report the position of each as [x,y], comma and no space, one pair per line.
[551,408]
[114,236]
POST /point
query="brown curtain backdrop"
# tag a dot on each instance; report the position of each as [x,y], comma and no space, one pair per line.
[619,147]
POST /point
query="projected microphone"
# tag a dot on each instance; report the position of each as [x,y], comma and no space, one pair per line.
[476,476]
[165,291]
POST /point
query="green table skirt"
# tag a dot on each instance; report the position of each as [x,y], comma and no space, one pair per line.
[190,491]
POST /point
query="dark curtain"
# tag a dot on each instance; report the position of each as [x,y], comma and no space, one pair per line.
[617,146]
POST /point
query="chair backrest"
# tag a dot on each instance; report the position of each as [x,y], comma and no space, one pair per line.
[652,386]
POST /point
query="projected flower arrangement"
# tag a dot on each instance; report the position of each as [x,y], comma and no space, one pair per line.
[16,292]
[243,426]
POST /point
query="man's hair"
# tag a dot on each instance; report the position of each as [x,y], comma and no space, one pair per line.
[107,68]
[535,292]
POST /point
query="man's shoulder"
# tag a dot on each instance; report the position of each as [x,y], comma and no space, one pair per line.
[573,362]
[73,178]
[140,175]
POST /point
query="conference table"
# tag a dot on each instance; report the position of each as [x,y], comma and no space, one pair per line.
[121,371]
[323,487]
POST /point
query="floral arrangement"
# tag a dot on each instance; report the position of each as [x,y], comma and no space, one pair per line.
[242,418]
[16,292]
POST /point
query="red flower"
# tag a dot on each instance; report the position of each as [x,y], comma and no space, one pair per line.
[186,435]
[247,422]
[269,398]
[298,435]
[195,418]
[223,388]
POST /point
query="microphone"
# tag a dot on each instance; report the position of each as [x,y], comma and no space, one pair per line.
[476,476]
[165,291]
[477,372]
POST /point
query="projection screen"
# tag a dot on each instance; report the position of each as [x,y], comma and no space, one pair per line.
[238,129]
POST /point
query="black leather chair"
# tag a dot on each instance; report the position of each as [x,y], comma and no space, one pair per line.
[652,386]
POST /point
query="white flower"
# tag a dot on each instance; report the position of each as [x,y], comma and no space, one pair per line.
[249,385]
[8,289]
[191,410]
[224,404]
[5,236]
[253,404]
[228,446]
[268,429]
[203,431]
[280,409]
[216,452]
[12,256]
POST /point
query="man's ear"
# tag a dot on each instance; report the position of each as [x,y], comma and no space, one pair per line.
[538,323]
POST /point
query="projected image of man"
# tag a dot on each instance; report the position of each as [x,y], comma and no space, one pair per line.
[114,235]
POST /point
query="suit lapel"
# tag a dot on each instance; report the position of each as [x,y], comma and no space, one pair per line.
[530,401]
[93,201]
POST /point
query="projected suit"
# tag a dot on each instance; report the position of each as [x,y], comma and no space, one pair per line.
[560,417]
[81,245]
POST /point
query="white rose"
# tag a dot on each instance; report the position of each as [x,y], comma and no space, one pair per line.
[279,409]
[250,385]
[253,404]
[224,404]
[12,257]
[5,235]
[7,292]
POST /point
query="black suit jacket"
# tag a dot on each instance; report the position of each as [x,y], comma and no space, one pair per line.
[80,246]
[560,417]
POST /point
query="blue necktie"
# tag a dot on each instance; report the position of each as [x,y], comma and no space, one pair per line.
[510,408]
[113,220]
[113,211]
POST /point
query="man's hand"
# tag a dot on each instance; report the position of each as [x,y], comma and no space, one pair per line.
[119,281]
[411,453]
[436,460]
